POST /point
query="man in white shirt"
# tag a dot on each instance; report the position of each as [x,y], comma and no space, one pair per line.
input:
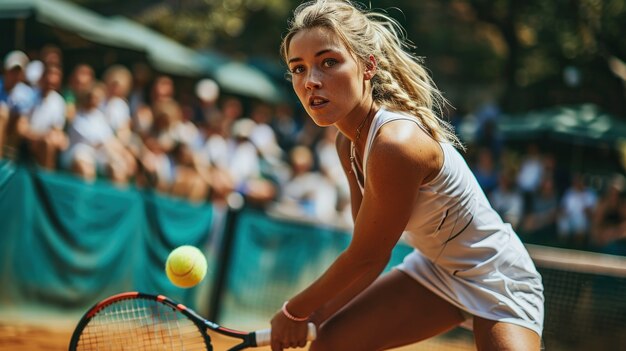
[16,97]
[43,129]
[577,206]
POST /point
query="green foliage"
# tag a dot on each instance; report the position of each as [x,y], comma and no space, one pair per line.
[517,51]
[203,23]
[199,23]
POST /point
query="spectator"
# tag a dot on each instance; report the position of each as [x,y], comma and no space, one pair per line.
[575,212]
[207,112]
[43,129]
[539,225]
[225,153]
[138,95]
[118,80]
[262,135]
[617,244]
[553,169]
[138,100]
[487,133]
[507,200]
[531,169]
[17,99]
[330,167]
[329,163]
[244,165]
[162,90]
[310,132]
[51,55]
[154,128]
[33,73]
[94,149]
[530,174]
[81,82]
[232,110]
[192,177]
[215,154]
[285,126]
[176,143]
[608,223]
[166,133]
[485,170]
[307,193]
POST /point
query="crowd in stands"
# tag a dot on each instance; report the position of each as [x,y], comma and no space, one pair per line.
[130,127]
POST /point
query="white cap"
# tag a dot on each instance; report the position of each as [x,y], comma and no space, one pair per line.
[243,127]
[207,90]
[14,59]
[34,71]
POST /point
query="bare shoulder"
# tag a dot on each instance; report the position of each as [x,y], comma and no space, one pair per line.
[403,147]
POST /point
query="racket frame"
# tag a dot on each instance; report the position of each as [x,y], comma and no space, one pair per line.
[248,338]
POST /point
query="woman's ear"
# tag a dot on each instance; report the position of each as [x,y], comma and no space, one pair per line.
[370,68]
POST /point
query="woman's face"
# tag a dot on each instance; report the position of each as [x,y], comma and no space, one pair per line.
[326,78]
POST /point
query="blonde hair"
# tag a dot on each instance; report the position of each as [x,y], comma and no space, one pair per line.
[401,82]
[120,76]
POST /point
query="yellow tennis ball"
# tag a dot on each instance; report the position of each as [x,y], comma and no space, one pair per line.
[186,266]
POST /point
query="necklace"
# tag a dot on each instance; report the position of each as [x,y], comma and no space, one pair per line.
[356,140]
[358,129]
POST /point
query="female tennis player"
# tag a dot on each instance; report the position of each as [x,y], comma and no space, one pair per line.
[351,68]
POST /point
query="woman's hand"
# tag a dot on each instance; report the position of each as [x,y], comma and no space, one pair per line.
[287,333]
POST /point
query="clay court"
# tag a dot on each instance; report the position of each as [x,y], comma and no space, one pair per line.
[54,335]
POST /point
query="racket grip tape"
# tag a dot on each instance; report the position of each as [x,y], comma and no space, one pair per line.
[263,337]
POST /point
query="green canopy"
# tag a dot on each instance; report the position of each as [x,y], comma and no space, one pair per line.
[163,53]
[70,17]
[241,77]
[577,124]
[574,124]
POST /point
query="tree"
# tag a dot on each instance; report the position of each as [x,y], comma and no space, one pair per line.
[203,24]
[526,54]
[558,51]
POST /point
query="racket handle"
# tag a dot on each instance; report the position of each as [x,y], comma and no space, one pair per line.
[263,337]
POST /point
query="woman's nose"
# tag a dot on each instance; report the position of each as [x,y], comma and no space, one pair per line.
[313,80]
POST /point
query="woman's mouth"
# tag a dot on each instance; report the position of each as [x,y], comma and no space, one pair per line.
[317,102]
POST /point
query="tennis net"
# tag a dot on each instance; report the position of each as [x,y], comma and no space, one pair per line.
[272,259]
[585,299]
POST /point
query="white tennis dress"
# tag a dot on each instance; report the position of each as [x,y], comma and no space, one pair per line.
[464,252]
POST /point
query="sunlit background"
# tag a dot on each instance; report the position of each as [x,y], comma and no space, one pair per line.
[211,148]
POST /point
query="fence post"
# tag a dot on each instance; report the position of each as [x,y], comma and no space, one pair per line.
[235,203]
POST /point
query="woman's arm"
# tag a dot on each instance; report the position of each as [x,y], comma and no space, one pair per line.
[402,158]
[331,307]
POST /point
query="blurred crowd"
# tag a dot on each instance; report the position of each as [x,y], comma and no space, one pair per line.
[131,127]
[547,203]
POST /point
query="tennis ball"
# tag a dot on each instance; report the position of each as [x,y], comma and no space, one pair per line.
[186,266]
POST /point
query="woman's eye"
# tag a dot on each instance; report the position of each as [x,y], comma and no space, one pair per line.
[297,69]
[329,62]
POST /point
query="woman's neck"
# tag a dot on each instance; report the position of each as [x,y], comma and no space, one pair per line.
[355,125]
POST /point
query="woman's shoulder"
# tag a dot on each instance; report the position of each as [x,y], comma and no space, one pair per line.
[405,139]
[405,133]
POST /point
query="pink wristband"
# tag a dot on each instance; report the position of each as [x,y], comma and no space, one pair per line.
[290,316]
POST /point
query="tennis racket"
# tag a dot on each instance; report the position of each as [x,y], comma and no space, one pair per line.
[138,321]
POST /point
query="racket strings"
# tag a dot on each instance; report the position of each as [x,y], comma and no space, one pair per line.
[140,324]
